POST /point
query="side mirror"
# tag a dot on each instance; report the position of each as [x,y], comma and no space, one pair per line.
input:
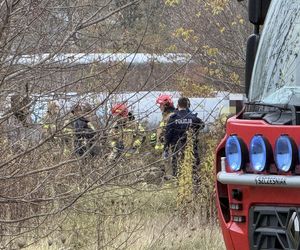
[252,45]
[257,10]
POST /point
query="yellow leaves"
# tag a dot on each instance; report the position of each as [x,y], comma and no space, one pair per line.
[238,21]
[217,10]
[210,51]
[219,73]
[222,29]
[162,26]
[184,34]
[185,178]
[171,49]
[217,6]
[189,88]
[214,72]
[172,2]
[210,156]
[234,77]
[207,167]
[220,3]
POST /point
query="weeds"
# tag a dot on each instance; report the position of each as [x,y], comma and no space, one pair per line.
[109,205]
[127,219]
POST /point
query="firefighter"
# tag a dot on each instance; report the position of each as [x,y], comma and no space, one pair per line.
[153,139]
[20,106]
[90,113]
[84,131]
[176,135]
[57,129]
[167,109]
[19,127]
[51,119]
[126,135]
[139,132]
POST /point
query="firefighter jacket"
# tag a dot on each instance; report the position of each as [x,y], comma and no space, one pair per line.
[60,128]
[179,123]
[51,125]
[126,136]
[61,131]
[160,132]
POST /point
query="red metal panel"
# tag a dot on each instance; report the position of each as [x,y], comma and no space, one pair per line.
[236,234]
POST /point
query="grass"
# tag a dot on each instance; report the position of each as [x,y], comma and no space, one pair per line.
[206,237]
[125,218]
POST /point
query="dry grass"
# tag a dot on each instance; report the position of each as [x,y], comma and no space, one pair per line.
[152,236]
[147,219]
[124,213]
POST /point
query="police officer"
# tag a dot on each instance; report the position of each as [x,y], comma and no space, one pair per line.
[176,134]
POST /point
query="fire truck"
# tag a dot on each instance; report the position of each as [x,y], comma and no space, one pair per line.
[258,161]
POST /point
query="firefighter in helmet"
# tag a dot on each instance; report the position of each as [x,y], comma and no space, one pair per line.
[90,112]
[126,135]
[51,119]
[166,106]
[161,169]
[57,128]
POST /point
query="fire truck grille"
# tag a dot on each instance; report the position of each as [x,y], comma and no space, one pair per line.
[272,227]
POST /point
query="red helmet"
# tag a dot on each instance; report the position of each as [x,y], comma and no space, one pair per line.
[119,109]
[165,100]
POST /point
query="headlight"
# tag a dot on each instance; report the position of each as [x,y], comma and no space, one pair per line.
[259,152]
[285,153]
[236,152]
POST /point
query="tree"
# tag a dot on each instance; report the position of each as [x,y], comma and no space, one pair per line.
[64,51]
[215,32]
[42,45]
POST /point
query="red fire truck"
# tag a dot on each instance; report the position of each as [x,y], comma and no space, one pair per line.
[258,161]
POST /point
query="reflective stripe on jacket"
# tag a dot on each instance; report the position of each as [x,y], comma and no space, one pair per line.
[127,136]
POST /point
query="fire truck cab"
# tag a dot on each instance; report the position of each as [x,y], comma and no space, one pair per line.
[258,160]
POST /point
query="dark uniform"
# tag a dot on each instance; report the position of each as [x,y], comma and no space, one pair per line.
[84,136]
[176,137]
